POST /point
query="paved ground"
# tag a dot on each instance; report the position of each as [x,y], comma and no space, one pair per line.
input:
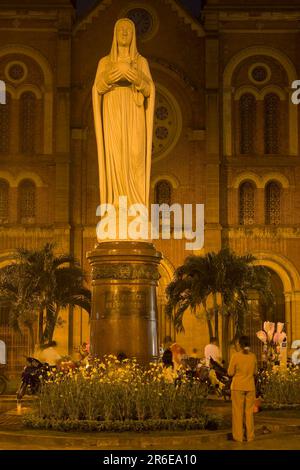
[274,430]
[277,442]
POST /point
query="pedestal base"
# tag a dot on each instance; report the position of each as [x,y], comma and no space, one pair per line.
[124,308]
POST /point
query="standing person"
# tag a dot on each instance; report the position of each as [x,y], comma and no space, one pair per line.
[168,372]
[167,342]
[212,350]
[84,352]
[165,345]
[243,367]
[178,354]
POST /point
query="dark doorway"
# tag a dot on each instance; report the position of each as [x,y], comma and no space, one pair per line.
[257,313]
[17,345]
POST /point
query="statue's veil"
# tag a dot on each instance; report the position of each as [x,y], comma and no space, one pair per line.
[133,53]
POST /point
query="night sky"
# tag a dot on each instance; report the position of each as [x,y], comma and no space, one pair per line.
[193,6]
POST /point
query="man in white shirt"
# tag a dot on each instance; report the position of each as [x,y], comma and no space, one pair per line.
[296,357]
[50,355]
[212,350]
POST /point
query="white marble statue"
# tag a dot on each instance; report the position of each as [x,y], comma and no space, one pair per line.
[123,103]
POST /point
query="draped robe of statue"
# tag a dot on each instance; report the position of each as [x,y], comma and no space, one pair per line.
[123,115]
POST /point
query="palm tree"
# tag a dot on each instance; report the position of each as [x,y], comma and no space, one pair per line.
[237,277]
[69,291]
[20,298]
[226,279]
[44,285]
[188,290]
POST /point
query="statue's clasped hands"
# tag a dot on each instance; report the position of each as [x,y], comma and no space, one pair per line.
[123,71]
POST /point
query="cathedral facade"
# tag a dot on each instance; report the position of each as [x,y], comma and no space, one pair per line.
[226,135]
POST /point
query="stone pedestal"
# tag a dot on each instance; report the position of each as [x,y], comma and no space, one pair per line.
[124,308]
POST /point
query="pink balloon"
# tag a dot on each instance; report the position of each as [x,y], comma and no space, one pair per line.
[262,336]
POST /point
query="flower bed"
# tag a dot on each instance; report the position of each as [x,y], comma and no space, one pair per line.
[280,387]
[110,395]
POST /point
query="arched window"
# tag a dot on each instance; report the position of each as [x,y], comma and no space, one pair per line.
[4,195]
[272,203]
[163,192]
[27,201]
[28,110]
[247,123]
[247,203]
[4,125]
[272,107]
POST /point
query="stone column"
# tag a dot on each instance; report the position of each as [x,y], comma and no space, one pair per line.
[288,317]
[260,206]
[124,307]
[62,139]
[212,170]
[295,315]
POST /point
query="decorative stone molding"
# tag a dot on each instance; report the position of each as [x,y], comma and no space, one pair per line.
[28,87]
[260,94]
[278,177]
[165,176]
[88,19]
[247,176]
[283,266]
[15,180]
[125,271]
[265,68]
[188,19]
[23,70]
[28,175]
[273,89]
[262,232]
[265,16]
[260,180]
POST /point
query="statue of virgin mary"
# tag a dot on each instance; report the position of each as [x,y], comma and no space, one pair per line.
[123,103]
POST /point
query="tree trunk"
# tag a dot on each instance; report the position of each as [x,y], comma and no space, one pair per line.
[209,325]
[208,320]
[52,325]
[216,316]
[41,324]
[50,319]
[31,336]
[225,337]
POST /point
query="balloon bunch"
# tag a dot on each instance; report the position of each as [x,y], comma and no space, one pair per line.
[272,341]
